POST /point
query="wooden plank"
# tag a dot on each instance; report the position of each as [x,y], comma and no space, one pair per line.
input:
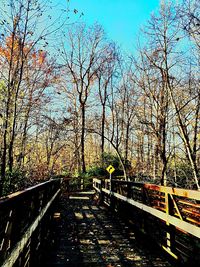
[192,220]
[97,181]
[194,194]
[97,189]
[159,208]
[196,214]
[185,202]
[106,191]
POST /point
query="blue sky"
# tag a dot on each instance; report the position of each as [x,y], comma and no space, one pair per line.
[121,19]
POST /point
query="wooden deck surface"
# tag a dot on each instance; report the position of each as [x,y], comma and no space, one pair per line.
[90,235]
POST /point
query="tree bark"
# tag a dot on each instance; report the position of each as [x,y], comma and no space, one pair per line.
[103,129]
[83,138]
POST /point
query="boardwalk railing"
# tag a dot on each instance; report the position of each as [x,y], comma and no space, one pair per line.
[75,184]
[171,216]
[24,223]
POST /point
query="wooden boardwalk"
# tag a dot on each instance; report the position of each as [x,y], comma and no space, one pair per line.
[90,235]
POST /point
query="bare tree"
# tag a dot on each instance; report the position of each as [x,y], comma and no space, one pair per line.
[83,59]
[104,76]
[163,58]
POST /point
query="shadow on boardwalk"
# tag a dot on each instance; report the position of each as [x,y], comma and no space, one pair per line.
[90,235]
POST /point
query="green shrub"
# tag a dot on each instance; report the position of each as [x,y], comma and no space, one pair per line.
[96,171]
[14,181]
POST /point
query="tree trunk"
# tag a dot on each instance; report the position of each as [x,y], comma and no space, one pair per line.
[103,130]
[83,138]
[156,161]
[4,154]
[23,146]
[127,141]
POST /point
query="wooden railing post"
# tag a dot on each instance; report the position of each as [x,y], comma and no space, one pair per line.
[129,190]
[112,199]
[170,234]
[101,195]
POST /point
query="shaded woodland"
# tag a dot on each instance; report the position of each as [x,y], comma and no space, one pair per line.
[72,102]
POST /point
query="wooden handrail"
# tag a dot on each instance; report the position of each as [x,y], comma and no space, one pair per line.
[175,211]
[21,213]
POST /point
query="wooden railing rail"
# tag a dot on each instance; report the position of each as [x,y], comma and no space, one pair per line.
[169,215]
[24,220]
[74,184]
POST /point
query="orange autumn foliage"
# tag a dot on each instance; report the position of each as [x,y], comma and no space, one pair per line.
[15,55]
[13,49]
